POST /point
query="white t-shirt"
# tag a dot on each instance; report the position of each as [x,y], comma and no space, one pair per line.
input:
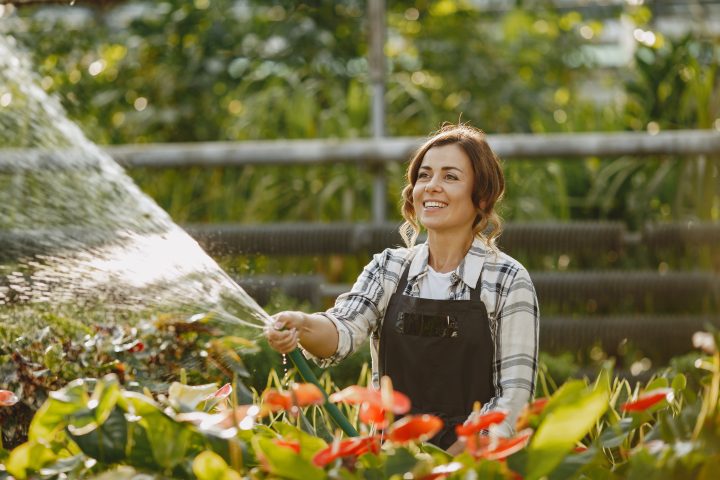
[435,285]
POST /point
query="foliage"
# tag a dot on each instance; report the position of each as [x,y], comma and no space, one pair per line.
[44,350]
[147,355]
[602,428]
[143,72]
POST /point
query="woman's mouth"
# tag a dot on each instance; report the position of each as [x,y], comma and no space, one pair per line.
[432,204]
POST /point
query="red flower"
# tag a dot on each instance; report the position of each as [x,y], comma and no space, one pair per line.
[355,446]
[301,395]
[358,395]
[372,406]
[353,395]
[275,400]
[532,409]
[538,405]
[136,347]
[415,427]
[498,449]
[307,394]
[7,398]
[373,413]
[481,422]
[291,444]
[648,399]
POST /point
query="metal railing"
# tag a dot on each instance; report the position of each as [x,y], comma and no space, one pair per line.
[375,153]
[398,149]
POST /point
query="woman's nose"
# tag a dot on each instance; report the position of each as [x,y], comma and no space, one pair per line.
[432,185]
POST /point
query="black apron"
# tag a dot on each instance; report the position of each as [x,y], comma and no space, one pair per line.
[439,353]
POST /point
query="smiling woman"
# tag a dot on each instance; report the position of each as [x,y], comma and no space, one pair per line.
[453,321]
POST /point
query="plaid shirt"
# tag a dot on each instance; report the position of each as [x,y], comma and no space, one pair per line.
[506,290]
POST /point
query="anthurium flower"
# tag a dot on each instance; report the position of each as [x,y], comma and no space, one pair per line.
[276,400]
[301,395]
[242,416]
[7,398]
[415,427]
[500,448]
[648,399]
[355,395]
[373,407]
[481,422]
[373,413]
[355,446]
[307,394]
[531,409]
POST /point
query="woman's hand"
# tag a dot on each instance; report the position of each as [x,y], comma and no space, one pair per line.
[284,334]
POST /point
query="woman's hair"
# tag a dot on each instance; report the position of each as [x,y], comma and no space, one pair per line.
[488,182]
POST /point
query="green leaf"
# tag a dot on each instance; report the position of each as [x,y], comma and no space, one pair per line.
[106,443]
[169,439]
[27,458]
[372,466]
[154,434]
[284,462]
[211,466]
[309,444]
[98,408]
[659,382]
[53,357]
[139,453]
[572,464]
[489,470]
[54,414]
[565,425]
[400,461]
[104,398]
[64,465]
[614,435]
[568,392]
[679,382]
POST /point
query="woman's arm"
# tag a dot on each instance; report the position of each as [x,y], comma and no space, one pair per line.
[516,350]
[333,335]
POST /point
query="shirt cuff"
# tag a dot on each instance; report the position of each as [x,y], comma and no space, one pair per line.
[344,344]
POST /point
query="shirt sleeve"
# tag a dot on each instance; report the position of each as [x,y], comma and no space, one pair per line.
[516,350]
[357,313]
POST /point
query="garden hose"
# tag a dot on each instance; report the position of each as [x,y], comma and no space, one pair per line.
[309,376]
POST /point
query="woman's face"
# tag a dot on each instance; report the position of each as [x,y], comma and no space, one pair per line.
[442,195]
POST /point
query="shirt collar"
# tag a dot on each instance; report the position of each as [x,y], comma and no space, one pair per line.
[468,270]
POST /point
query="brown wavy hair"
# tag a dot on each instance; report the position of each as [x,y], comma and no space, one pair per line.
[488,182]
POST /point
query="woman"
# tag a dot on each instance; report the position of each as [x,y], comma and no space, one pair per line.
[454,320]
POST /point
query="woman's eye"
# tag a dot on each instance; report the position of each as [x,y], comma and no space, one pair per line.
[451,177]
[422,175]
